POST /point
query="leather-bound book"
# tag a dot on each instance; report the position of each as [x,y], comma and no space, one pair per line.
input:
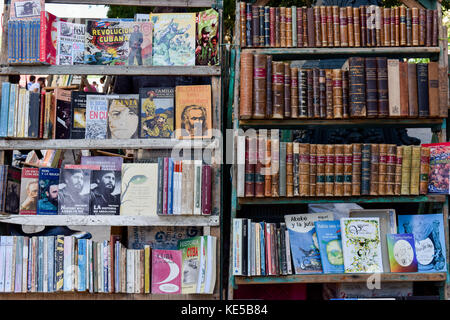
[373,29]
[387,27]
[357,87]
[329,170]
[329,93]
[415,26]
[345,95]
[415,170]
[310,92]
[390,169]
[267,26]
[424,170]
[312,169]
[433,89]
[363,24]
[348,169]
[369,25]
[294,26]
[255,26]
[398,170]
[311,25]
[299,27]
[382,169]
[404,104]
[303,169]
[259,86]
[336,27]
[269,86]
[267,169]
[356,168]
[294,92]
[278,27]
[339,170]
[302,94]
[379,24]
[250,163]
[422,26]
[296,164]
[316,93]
[397,26]
[282,27]
[317,27]
[246,86]
[406,170]
[306,26]
[262,29]
[382,87]
[371,87]
[365,169]
[278,89]
[282,174]
[320,168]
[413,108]
[323,26]
[272,27]
[394,87]
[288,27]
[422,89]
[374,167]
[356,27]
[243,22]
[322,93]
[408,27]
[429,27]
[330,26]
[435,32]
[337,93]
[287,90]
[343,25]
[350,27]
[289,170]
[260,167]
[249,25]
[275,165]
[392,27]
[402,26]
[443,92]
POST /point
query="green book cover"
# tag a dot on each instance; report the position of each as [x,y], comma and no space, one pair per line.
[190,254]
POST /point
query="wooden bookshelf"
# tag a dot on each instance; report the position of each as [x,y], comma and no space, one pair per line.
[103,296]
[165,3]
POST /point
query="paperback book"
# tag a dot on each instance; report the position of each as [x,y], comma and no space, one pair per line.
[70,47]
[105,162]
[191,255]
[78,114]
[439,164]
[160,237]
[156,112]
[206,51]
[48,191]
[74,191]
[330,247]
[105,192]
[123,117]
[63,113]
[166,271]
[29,191]
[402,252]
[96,116]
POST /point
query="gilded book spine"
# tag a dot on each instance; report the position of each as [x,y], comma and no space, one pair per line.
[255,25]
[435,32]
[250,167]
[312,169]
[248,25]
[300,40]
[343,26]
[356,167]
[289,170]
[302,94]
[296,162]
[424,169]
[415,26]
[307,40]
[382,87]
[348,169]
[260,149]
[390,169]
[357,87]
[323,26]
[267,26]
[294,93]
[422,23]
[317,28]
[382,170]
[336,27]
[356,27]
[398,170]
[320,167]
[329,93]
[428,27]
[363,23]
[379,26]
[272,27]
[408,27]
[329,170]
[287,90]
[365,169]
[371,87]
[259,86]
[282,27]
[350,27]
[316,93]
[304,169]
[392,25]
[374,167]
[267,169]
[337,93]
[330,26]
[269,108]
[402,25]
[277,27]
[339,176]
[415,170]
[406,170]
[387,27]
[289,27]
[243,22]
[310,92]
[278,89]
[246,86]
[345,102]
[397,26]
[262,31]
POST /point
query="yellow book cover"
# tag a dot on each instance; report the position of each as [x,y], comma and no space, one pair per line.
[147,269]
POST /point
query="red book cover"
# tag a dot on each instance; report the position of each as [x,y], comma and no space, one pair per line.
[48,37]
[29,190]
[82,166]
[439,169]
[166,271]
[206,190]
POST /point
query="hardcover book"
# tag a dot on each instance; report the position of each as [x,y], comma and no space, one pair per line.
[402,252]
[166,271]
[29,191]
[156,108]
[105,192]
[207,49]
[48,191]
[330,247]
[439,173]
[123,117]
[73,192]
[190,251]
[70,43]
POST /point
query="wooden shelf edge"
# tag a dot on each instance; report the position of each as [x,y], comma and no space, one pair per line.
[165,3]
[104,296]
[347,51]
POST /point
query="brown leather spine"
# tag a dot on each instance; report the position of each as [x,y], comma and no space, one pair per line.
[302,93]
[345,101]
[296,161]
[310,27]
[363,24]
[272,27]
[316,93]
[275,165]
[310,93]
[350,27]
[278,89]
[329,170]
[267,166]
[422,24]
[374,167]
[323,26]
[387,26]
[243,21]
[289,27]
[382,169]
[343,26]
[412,91]
[329,93]
[356,27]
[277,27]
[289,170]
[337,93]
[369,25]
[433,89]
[357,88]
[336,26]
[322,94]
[390,169]
[434,42]
[402,25]
[392,25]
[259,86]
[408,27]
[246,86]
[299,27]
[338,170]
[287,90]
[294,93]
[443,92]
[269,86]
[415,26]
[379,25]
[424,169]
[397,26]
[356,167]
[282,27]
[317,27]
[330,26]
[312,169]
[429,27]
[320,168]
[260,167]
[415,170]
[398,170]
[306,22]
[303,169]
[404,105]
[348,169]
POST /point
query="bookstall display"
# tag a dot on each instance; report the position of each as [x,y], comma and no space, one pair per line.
[338,67]
[162,200]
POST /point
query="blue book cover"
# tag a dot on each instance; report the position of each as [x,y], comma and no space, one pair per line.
[263,249]
[105,266]
[170,188]
[330,245]
[18,263]
[402,253]
[30,263]
[13,95]
[429,240]
[82,264]
[26,41]
[51,263]
[4,109]
[48,191]
[40,277]
[10,44]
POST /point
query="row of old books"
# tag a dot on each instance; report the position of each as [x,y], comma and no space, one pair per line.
[371,87]
[43,38]
[268,167]
[107,186]
[334,26]
[66,114]
[322,243]
[68,264]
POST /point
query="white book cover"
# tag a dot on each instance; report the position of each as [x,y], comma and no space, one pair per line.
[13,263]
[257,249]
[70,43]
[240,158]
[26,114]
[253,249]
[129,271]
[101,274]
[18,273]
[51,263]
[288,252]
[237,247]
[90,266]
[175,188]
[8,263]
[361,245]
[25,264]
[45,284]
[197,187]
[68,276]
[180,188]
[2,262]
[211,264]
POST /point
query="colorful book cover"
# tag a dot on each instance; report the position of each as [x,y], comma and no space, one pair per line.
[51,263]
[123,117]
[330,246]
[70,46]
[156,112]
[303,237]
[73,192]
[207,49]
[190,252]
[162,237]
[26,10]
[140,44]
[29,190]
[48,191]
[361,245]
[4,109]
[96,116]
[402,252]
[105,192]
[12,108]
[48,37]
[439,164]
[63,116]
[429,240]
[173,39]
[82,264]
[105,162]
[166,271]
[78,114]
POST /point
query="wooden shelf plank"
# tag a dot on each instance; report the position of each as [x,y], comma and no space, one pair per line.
[113,70]
[361,199]
[336,278]
[104,296]
[165,3]
[72,220]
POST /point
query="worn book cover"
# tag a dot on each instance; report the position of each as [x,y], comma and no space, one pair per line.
[11,195]
[402,252]
[26,9]
[190,249]
[48,191]
[162,237]
[123,117]
[73,192]
[330,247]
[105,192]
[29,191]
[156,109]
[406,170]
[207,48]
[70,43]
[439,174]
[63,114]
[166,271]
[97,116]
[78,114]
[173,39]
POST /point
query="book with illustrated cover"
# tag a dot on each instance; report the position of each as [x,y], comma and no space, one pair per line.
[105,192]
[163,237]
[48,37]
[11,196]
[330,246]
[207,48]
[70,43]
[166,271]
[29,191]
[438,180]
[402,252]
[26,9]
[78,114]
[74,191]
[97,116]
[63,114]
[191,252]
[123,117]
[48,191]
[156,112]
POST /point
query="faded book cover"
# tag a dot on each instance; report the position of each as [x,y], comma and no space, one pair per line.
[166,271]
[156,112]
[123,117]
[29,191]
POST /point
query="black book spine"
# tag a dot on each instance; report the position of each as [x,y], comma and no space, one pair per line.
[245,248]
[249,25]
[269,87]
[262,32]
[283,249]
[316,93]
[322,94]
[422,89]
[302,94]
[357,87]
[279,252]
[365,169]
[310,93]
[345,111]
[382,87]
[267,26]
[371,87]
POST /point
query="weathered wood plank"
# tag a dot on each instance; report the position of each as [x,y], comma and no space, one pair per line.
[412,4]
[104,296]
[157,3]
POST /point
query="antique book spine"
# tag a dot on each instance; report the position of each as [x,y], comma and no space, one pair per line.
[413,107]
[339,175]
[249,167]
[316,93]
[260,158]
[434,42]
[422,89]
[424,170]
[255,26]
[392,25]
[394,87]
[294,93]
[387,27]
[300,27]
[243,22]
[348,169]
[443,91]
[365,169]
[262,30]
[278,89]
[336,27]
[267,171]
[329,169]
[330,26]
[373,28]
[329,93]
[317,27]
[267,26]
[246,86]
[403,76]
[278,27]
[249,25]
[306,22]
[289,27]
[356,168]
[390,169]
[322,93]
[269,109]
[323,26]
[371,87]
[408,27]
[296,163]
[303,170]
[287,90]
[422,24]
[428,27]
[406,170]
[282,27]
[433,89]
[310,92]
[345,95]
[350,27]
[398,170]
[363,24]
[282,174]
[369,25]
[311,27]
[382,87]
[312,169]
[337,93]
[320,168]
[343,26]
[379,25]
[375,174]
[289,170]
[273,43]
[415,170]
[356,27]
[302,94]
[382,169]
[402,26]
[357,87]
[397,26]
[415,26]
[275,163]
[259,86]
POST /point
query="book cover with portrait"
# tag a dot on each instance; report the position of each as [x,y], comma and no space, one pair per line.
[97,116]
[156,112]
[74,190]
[29,190]
[207,48]
[63,113]
[26,10]
[48,191]
[123,117]
[105,192]
[193,114]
